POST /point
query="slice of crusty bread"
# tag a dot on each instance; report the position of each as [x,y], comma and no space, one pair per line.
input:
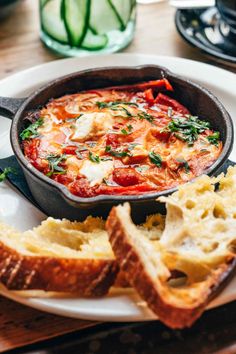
[63,256]
[179,273]
[59,255]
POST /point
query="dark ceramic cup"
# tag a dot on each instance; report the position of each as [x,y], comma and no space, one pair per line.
[227,9]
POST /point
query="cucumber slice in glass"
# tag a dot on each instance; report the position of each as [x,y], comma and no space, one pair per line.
[102,9]
[93,41]
[51,20]
[75,14]
[43,3]
[122,8]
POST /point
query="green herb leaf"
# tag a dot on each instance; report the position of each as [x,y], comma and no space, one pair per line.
[185,164]
[94,158]
[130,127]
[146,116]
[117,106]
[102,105]
[106,158]
[31,130]
[127,112]
[124,131]
[187,128]
[54,164]
[155,158]
[128,131]
[214,138]
[118,152]
[6,172]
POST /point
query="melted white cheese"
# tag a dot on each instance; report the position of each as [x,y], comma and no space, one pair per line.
[95,172]
[92,124]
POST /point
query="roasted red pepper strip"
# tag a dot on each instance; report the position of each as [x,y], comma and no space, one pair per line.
[155,84]
[69,150]
[170,102]
[95,92]
[149,96]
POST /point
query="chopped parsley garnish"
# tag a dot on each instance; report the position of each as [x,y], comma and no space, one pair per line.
[32,130]
[53,163]
[127,112]
[188,128]
[124,131]
[94,158]
[117,106]
[184,163]
[117,152]
[5,173]
[130,127]
[114,103]
[146,116]
[214,138]
[128,131]
[155,158]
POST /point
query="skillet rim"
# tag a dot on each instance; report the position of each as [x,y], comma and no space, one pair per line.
[91,201]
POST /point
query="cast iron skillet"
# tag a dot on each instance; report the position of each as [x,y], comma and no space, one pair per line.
[54,198]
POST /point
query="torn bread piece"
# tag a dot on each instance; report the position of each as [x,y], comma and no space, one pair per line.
[60,256]
[152,229]
[178,274]
[64,256]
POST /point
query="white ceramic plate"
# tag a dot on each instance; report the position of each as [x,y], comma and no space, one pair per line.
[15,210]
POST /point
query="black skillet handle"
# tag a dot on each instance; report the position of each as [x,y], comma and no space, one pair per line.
[225,166]
[9,106]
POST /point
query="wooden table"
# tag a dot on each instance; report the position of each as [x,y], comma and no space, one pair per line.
[20,48]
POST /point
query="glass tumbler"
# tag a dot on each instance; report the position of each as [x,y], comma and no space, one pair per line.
[85,27]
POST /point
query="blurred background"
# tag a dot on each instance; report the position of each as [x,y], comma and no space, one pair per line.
[21,47]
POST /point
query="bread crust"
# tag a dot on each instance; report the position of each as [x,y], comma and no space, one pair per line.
[156,294]
[85,277]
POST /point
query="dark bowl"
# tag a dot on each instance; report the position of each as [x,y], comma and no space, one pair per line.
[6,7]
[54,198]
